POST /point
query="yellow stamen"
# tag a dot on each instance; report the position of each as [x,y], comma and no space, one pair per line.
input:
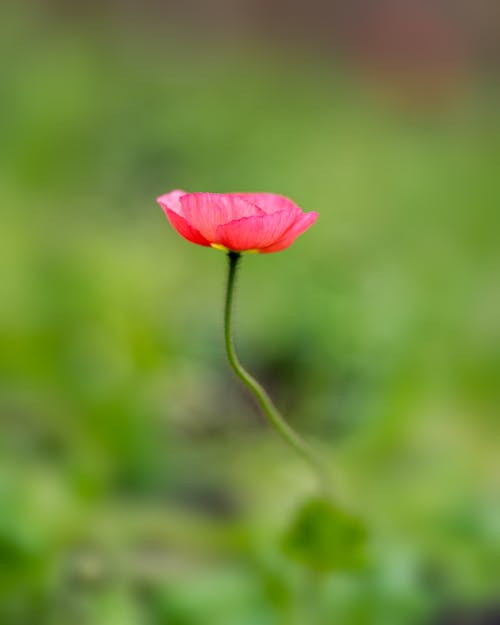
[223,248]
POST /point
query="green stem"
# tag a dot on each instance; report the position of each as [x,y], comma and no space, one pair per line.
[266,404]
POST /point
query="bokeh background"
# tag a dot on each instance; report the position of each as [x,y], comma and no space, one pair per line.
[138,483]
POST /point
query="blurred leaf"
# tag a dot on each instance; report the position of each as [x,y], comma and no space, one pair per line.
[325,538]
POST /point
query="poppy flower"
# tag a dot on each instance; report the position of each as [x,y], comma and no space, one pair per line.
[238,222]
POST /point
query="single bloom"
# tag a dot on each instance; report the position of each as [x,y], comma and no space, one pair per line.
[240,222]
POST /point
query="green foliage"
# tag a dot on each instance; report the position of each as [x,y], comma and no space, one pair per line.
[325,537]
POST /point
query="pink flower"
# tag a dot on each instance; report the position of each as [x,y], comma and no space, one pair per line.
[241,222]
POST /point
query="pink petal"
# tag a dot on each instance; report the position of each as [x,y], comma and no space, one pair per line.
[184,228]
[270,202]
[254,233]
[207,211]
[171,201]
[301,225]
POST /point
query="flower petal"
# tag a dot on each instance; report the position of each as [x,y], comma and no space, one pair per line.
[254,233]
[184,228]
[171,201]
[206,211]
[269,202]
[301,225]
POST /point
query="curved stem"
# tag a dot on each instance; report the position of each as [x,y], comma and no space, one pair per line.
[266,404]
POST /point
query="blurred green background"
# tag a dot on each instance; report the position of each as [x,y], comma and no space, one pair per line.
[138,483]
